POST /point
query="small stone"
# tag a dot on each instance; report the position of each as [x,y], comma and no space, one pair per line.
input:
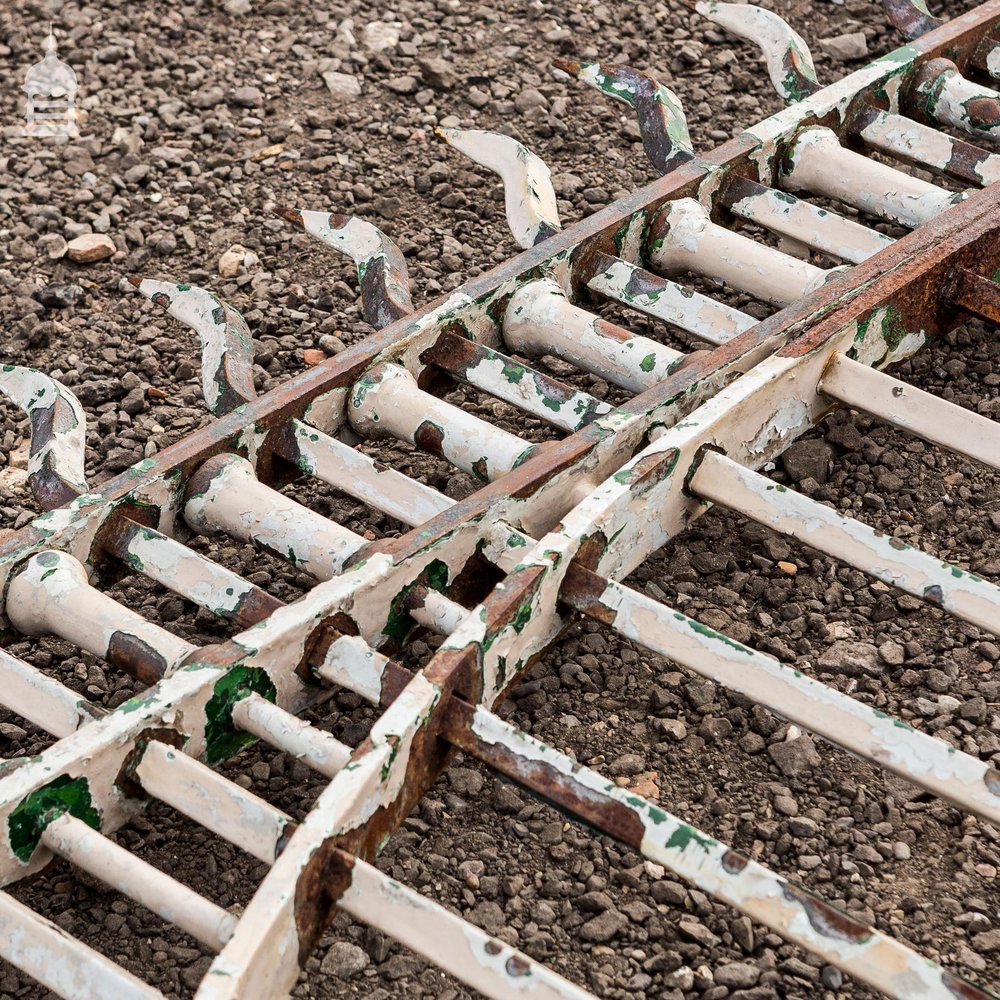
[311,356]
[627,764]
[669,893]
[647,785]
[208,97]
[465,780]
[332,344]
[530,98]
[786,805]
[59,296]
[673,728]
[988,941]
[853,659]
[135,402]
[90,248]
[438,73]
[846,48]
[788,567]
[696,931]
[810,459]
[737,975]
[52,245]
[344,960]
[901,851]
[793,757]
[892,653]
[377,36]
[868,854]
[342,86]
[230,261]
[831,977]
[248,97]
[604,926]
[402,84]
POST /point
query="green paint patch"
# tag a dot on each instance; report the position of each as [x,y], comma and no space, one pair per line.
[710,633]
[501,672]
[513,373]
[62,795]
[522,617]
[222,738]
[686,835]
[648,363]
[399,622]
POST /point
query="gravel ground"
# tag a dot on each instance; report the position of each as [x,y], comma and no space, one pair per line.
[201,119]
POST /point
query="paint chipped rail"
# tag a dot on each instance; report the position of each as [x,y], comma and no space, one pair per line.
[559,517]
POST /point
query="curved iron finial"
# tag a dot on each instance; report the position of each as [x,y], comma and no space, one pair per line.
[662,124]
[529,199]
[789,62]
[226,346]
[58,429]
[910,17]
[385,285]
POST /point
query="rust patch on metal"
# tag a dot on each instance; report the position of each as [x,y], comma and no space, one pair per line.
[825,919]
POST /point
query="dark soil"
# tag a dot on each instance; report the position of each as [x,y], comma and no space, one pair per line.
[182,101]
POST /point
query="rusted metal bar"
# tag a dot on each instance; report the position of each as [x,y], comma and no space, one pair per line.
[865,952]
[975,295]
[481,961]
[256,715]
[515,383]
[588,507]
[51,594]
[664,299]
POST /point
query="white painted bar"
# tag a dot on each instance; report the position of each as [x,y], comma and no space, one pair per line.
[765,896]
[351,663]
[911,409]
[90,850]
[732,485]
[694,243]
[540,320]
[712,321]
[356,474]
[186,572]
[60,962]
[438,613]
[213,801]
[951,100]
[928,762]
[40,699]
[237,503]
[919,143]
[815,227]
[52,595]
[481,961]
[271,723]
[386,401]
[819,163]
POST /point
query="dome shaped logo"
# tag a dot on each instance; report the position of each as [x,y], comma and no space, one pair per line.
[51,86]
